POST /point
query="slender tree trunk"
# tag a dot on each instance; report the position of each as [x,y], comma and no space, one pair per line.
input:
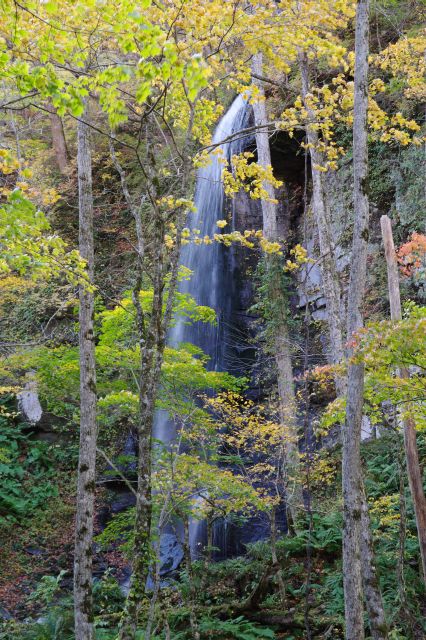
[143,510]
[282,354]
[152,343]
[58,139]
[269,209]
[275,563]
[329,273]
[83,606]
[373,597]
[351,459]
[209,554]
[402,535]
[192,592]
[414,471]
[156,589]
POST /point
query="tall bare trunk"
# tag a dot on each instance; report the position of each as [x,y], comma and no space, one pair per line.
[274,555]
[152,342]
[370,582]
[281,335]
[58,139]
[189,570]
[269,209]
[351,459]
[150,351]
[83,607]
[329,273]
[414,470]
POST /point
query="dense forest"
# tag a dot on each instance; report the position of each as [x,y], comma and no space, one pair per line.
[212,319]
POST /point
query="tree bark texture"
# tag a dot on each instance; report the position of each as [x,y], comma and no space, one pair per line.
[83,606]
[150,352]
[370,582]
[274,555]
[58,139]
[329,273]
[351,437]
[282,353]
[192,590]
[414,471]
[269,209]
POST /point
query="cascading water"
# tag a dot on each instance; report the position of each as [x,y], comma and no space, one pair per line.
[210,284]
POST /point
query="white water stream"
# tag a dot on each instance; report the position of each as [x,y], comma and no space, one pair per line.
[210,283]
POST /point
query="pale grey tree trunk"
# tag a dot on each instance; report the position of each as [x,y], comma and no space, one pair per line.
[414,471]
[358,561]
[83,605]
[269,209]
[351,460]
[151,343]
[192,591]
[370,582]
[331,288]
[274,556]
[287,399]
[58,139]
[329,273]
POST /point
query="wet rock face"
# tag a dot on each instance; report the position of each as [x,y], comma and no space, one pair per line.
[171,553]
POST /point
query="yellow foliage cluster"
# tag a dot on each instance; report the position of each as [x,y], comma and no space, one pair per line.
[386,510]
[248,422]
[250,239]
[11,164]
[170,203]
[12,288]
[328,106]
[405,59]
[249,176]
[8,162]
[248,432]
[322,468]
[299,256]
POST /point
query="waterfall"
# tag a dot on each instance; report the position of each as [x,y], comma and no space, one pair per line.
[210,283]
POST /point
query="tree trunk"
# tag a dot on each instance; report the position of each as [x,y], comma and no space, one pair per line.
[209,551]
[287,399]
[275,563]
[414,471]
[405,611]
[373,598]
[351,460]
[58,139]
[329,274]
[192,592]
[151,345]
[143,510]
[83,606]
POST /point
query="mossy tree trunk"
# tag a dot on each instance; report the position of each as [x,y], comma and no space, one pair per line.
[83,605]
[357,547]
[351,459]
